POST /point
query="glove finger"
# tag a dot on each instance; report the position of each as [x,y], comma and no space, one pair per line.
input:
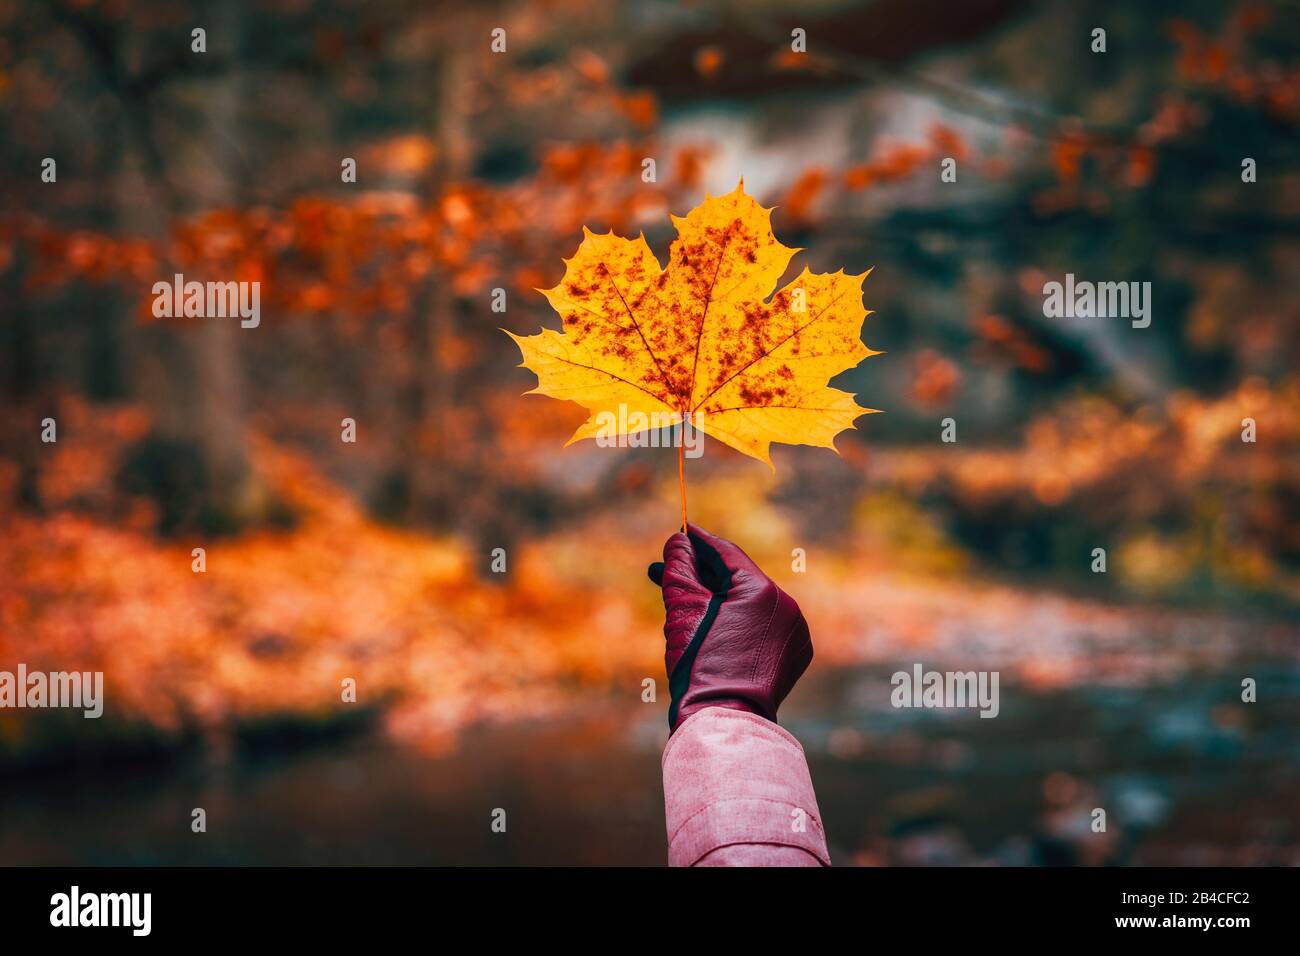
[735,561]
[686,598]
[656,573]
[679,560]
[694,567]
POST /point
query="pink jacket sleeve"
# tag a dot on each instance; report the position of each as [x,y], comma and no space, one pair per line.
[737,793]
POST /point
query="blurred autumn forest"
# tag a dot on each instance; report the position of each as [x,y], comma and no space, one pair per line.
[477,171]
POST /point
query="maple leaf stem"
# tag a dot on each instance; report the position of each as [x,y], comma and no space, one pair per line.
[681,478]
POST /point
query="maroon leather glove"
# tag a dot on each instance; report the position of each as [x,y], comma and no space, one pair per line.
[735,639]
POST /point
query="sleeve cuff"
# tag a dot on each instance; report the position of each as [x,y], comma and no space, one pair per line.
[735,779]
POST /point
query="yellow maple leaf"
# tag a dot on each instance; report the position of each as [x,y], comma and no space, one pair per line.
[705,337]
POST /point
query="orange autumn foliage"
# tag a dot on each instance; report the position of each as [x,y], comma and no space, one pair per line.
[896,161]
[280,616]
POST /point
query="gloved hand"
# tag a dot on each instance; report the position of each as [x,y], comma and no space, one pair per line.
[735,639]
